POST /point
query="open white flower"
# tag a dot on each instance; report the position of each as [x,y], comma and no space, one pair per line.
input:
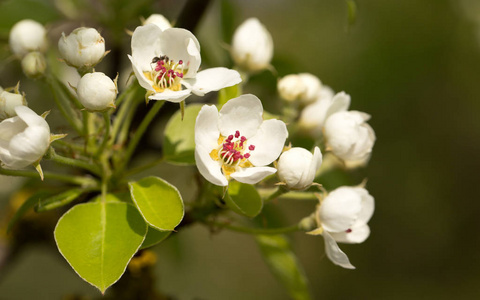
[24,139]
[236,142]
[83,48]
[166,64]
[297,167]
[348,135]
[342,217]
[313,116]
[158,20]
[8,102]
[26,36]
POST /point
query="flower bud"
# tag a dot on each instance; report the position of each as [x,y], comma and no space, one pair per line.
[348,136]
[96,91]
[34,65]
[252,46]
[303,87]
[8,102]
[27,36]
[158,20]
[24,139]
[297,167]
[83,48]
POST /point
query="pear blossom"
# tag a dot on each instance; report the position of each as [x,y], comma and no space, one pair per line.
[26,36]
[8,102]
[166,64]
[236,143]
[24,139]
[252,46]
[303,87]
[342,217]
[297,167]
[348,135]
[158,20]
[96,91]
[83,48]
[34,64]
[313,116]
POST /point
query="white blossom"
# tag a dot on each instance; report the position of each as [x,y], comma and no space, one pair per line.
[166,64]
[26,36]
[342,217]
[297,167]
[34,64]
[8,102]
[236,143]
[24,139]
[96,91]
[83,48]
[158,20]
[348,135]
[252,46]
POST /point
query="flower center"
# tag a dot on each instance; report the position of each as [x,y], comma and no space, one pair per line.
[166,73]
[233,152]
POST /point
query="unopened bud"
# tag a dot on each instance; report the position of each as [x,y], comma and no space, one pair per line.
[303,87]
[83,48]
[26,36]
[34,65]
[96,91]
[8,102]
[158,20]
[297,167]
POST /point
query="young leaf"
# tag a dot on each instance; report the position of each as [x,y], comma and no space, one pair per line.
[283,263]
[59,200]
[243,199]
[154,237]
[228,93]
[179,139]
[158,201]
[98,239]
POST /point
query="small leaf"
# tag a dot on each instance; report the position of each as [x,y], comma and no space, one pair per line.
[228,93]
[118,197]
[158,201]
[243,199]
[98,239]
[154,237]
[59,200]
[26,206]
[283,263]
[179,139]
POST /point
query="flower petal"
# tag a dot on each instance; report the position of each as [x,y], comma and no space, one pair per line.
[340,102]
[209,168]
[356,236]
[309,176]
[243,113]
[171,96]
[31,118]
[10,127]
[340,209]
[253,175]
[268,141]
[368,206]
[146,45]
[180,44]
[334,253]
[142,80]
[206,128]
[213,79]
[31,144]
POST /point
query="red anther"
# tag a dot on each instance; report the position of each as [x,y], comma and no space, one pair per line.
[237,134]
[180,62]
[251,147]
[246,155]
[180,75]
[348,230]
[243,139]
[230,137]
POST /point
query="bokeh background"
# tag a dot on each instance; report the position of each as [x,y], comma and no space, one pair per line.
[413,65]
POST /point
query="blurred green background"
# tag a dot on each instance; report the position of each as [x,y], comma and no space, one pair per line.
[415,67]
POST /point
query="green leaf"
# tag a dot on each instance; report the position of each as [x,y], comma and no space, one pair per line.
[154,237]
[243,199]
[59,200]
[158,201]
[119,197]
[284,265]
[179,139]
[26,206]
[228,93]
[98,239]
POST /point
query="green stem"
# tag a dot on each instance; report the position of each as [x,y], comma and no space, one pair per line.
[83,181]
[250,230]
[106,134]
[267,193]
[75,163]
[280,191]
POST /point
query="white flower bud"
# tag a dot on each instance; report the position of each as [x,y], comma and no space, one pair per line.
[297,167]
[8,102]
[34,64]
[24,139]
[303,87]
[158,20]
[27,36]
[252,46]
[96,91]
[348,136]
[83,48]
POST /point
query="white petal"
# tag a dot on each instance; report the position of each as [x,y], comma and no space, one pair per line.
[253,175]
[31,144]
[142,80]
[368,206]
[340,102]
[243,113]
[309,176]
[340,209]
[146,45]
[31,118]
[268,141]
[334,253]
[180,44]
[209,168]
[206,128]
[356,236]
[10,127]
[213,79]
[171,96]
